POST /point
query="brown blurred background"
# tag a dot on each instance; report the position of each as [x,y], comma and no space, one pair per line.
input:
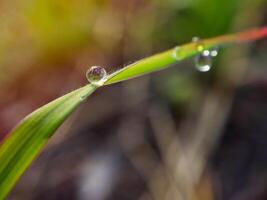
[174,134]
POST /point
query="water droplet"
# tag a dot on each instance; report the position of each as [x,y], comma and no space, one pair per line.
[195,39]
[178,53]
[199,45]
[96,75]
[203,61]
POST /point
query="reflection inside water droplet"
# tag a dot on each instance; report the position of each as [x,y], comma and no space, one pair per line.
[214,51]
[96,75]
[203,61]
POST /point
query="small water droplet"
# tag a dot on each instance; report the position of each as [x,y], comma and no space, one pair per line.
[199,45]
[195,39]
[203,61]
[96,75]
[178,53]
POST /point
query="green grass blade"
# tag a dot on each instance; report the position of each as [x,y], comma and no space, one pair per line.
[27,139]
[177,54]
[144,66]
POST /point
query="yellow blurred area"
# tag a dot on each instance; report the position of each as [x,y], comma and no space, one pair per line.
[36,31]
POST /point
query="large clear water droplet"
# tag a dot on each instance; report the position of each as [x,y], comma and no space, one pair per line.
[203,61]
[96,75]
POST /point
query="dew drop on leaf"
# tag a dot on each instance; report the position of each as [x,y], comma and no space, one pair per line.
[178,53]
[203,61]
[199,45]
[96,74]
[195,39]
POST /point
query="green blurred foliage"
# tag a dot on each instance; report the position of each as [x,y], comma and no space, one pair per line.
[56,25]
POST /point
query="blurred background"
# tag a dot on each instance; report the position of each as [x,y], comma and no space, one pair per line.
[174,134]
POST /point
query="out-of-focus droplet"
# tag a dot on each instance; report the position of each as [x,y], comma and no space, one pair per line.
[199,45]
[203,61]
[178,53]
[195,39]
[96,75]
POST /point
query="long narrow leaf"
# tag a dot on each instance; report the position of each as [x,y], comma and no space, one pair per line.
[26,140]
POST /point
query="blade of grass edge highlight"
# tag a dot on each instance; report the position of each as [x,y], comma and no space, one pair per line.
[26,140]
